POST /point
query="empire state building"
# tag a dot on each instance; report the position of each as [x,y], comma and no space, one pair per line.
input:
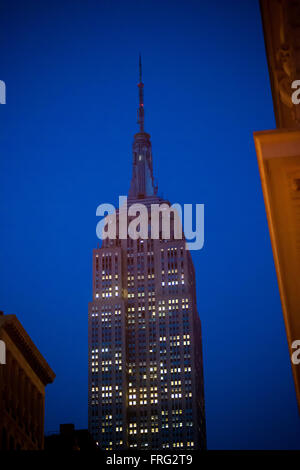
[145,349]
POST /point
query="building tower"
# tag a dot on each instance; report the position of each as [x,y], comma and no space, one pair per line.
[145,350]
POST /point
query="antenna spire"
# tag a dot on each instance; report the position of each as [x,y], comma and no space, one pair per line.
[140,67]
[142,181]
[140,112]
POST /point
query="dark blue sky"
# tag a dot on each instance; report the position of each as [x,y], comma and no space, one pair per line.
[71,69]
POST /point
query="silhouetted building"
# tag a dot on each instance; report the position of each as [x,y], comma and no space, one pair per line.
[70,439]
[145,349]
[24,373]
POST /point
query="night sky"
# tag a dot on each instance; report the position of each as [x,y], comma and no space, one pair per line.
[71,70]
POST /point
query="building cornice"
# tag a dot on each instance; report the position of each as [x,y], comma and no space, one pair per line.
[23,342]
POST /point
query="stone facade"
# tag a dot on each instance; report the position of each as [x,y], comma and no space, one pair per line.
[22,389]
[278,153]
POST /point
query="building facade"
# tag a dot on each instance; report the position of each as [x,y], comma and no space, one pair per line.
[145,350]
[278,154]
[24,373]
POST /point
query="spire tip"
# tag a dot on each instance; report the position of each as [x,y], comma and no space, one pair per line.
[140,113]
[140,66]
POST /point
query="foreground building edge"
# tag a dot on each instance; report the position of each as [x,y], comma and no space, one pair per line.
[278,154]
[23,378]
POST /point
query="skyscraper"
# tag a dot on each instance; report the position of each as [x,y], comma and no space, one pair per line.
[145,350]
